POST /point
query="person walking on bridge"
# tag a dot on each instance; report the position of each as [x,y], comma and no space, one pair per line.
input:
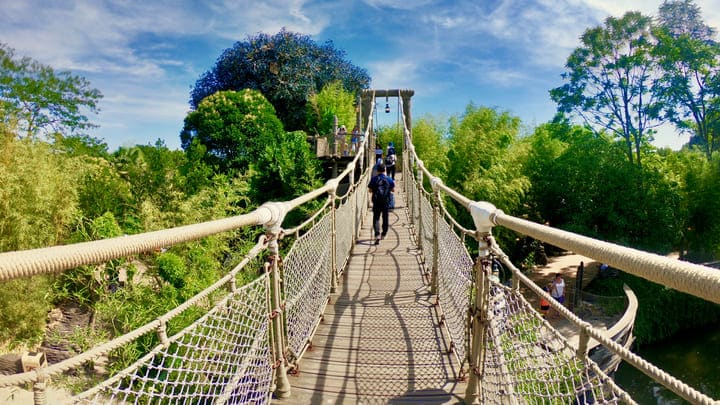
[381,187]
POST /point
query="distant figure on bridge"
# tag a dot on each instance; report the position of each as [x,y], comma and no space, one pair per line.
[355,138]
[558,289]
[375,168]
[378,151]
[381,187]
[341,140]
[391,149]
[390,161]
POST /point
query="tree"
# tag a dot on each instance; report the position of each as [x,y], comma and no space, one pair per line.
[690,76]
[38,192]
[234,126]
[285,169]
[430,145]
[41,100]
[583,183]
[287,68]
[682,18]
[609,81]
[322,108]
[480,157]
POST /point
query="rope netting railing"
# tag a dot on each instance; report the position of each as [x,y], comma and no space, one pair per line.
[307,283]
[524,359]
[222,358]
[514,355]
[240,350]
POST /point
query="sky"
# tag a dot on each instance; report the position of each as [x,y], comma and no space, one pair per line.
[145,56]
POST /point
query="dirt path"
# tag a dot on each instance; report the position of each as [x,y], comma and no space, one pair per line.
[567,265]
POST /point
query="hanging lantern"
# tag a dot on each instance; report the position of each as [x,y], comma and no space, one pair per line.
[387,105]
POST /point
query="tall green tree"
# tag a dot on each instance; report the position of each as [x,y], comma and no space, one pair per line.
[332,101]
[287,68]
[42,100]
[584,183]
[430,145]
[690,71]
[609,79]
[38,193]
[233,126]
[481,154]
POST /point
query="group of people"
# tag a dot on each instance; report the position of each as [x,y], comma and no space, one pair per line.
[382,186]
[356,138]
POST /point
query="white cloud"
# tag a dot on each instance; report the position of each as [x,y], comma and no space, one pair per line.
[398,4]
[397,73]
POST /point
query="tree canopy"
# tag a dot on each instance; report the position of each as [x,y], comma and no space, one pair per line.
[609,80]
[41,100]
[233,126]
[287,68]
[689,84]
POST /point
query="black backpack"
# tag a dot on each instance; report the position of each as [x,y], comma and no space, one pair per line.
[381,194]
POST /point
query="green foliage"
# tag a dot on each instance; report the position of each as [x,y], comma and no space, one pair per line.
[322,108]
[38,195]
[430,145]
[234,127]
[285,169]
[583,183]
[609,81]
[24,311]
[42,100]
[388,134]
[700,197]
[102,189]
[483,162]
[287,68]
[172,269]
[81,145]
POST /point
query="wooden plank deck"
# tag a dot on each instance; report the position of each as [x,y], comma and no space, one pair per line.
[380,341]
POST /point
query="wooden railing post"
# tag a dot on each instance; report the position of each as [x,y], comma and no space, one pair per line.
[333,241]
[352,199]
[419,207]
[478,323]
[436,233]
[277,310]
[482,214]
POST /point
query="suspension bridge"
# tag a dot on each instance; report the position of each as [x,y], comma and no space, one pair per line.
[336,319]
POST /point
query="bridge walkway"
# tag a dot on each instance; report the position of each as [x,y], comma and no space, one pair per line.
[380,341]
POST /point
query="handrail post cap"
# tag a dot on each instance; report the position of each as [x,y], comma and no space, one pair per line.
[436,182]
[483,214]
[333,185]
[278,211]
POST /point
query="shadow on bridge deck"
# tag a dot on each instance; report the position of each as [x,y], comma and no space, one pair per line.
[380,341]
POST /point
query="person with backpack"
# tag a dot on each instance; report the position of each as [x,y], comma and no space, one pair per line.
[381,187]
[390,161]
[391,149]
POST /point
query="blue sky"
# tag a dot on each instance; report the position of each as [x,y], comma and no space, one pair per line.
[145,55]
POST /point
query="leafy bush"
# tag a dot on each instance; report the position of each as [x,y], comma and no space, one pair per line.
[24,310]
[172,269]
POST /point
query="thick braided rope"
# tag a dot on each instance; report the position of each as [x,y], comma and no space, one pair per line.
[690,278]
[58,258]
